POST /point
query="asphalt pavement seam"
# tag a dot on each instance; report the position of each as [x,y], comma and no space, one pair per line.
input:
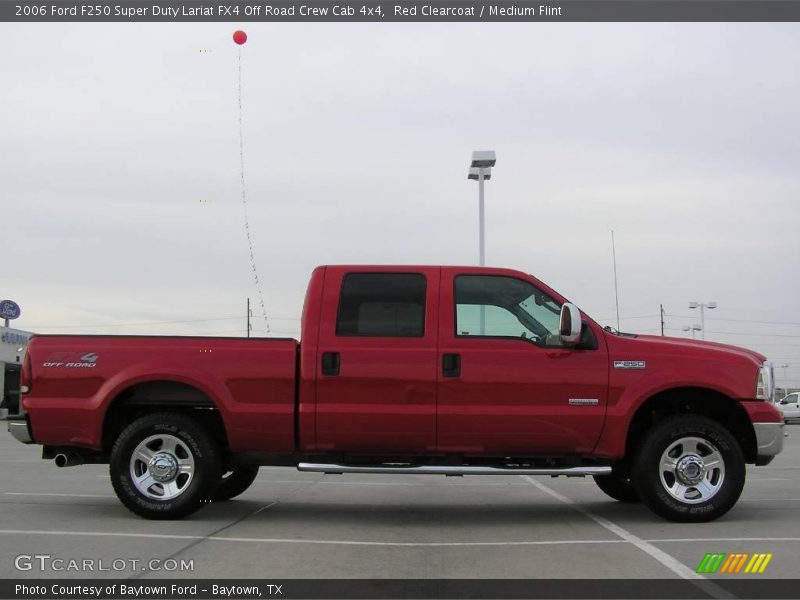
[233,523]
[251,540]
[662,557]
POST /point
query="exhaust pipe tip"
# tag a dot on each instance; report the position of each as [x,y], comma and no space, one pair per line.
[67,460]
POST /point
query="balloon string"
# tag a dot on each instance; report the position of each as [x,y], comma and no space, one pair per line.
[244,203]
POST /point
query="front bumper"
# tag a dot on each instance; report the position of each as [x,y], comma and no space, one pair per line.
[769,441]
[20,428]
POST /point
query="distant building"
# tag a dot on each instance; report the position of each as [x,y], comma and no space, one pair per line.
[13,343]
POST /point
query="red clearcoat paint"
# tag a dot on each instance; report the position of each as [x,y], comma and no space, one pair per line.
[512,397]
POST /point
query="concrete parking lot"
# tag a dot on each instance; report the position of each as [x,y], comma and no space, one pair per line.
[305,525]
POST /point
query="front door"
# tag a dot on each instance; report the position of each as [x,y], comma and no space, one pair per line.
[507,386]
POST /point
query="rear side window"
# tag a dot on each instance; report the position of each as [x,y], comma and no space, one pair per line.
[382,305]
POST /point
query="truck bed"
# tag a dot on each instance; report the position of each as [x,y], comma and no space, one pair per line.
[252,381]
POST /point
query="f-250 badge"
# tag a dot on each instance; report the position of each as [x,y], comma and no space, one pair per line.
[72,360]
[629,364]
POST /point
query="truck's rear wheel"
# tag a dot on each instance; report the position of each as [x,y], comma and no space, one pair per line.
[164,466]
[690,469]
[618,487]
[235,480]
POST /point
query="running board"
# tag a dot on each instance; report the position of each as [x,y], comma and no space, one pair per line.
[450,470]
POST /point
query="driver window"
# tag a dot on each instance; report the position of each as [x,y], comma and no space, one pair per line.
[500,306]
[497,321]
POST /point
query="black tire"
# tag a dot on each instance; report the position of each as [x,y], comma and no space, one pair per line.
[234,481]
[192,443]
[689,437]
[618,487]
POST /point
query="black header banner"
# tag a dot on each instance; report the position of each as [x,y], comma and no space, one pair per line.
[398,11]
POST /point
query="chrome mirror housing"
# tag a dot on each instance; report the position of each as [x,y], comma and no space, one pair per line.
[569,325]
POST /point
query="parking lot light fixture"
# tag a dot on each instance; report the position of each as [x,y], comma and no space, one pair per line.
[480,171]
[703,306]
[785,366]
[692,328]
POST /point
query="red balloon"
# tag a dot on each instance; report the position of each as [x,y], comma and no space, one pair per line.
[240,37]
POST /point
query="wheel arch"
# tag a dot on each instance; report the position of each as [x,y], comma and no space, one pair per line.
[694,401]
[147,397]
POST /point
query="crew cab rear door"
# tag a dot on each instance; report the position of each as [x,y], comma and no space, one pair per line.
[376,360]
[506,385]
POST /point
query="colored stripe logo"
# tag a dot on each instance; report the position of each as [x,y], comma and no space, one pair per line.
[734,563]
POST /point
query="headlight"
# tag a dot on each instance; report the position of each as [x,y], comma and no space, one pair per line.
[765,382]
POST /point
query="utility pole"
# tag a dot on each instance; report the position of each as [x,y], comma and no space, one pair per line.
[661,312]
[249,314]
[616,290]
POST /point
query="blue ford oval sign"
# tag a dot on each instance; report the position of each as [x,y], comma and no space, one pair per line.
[9,309]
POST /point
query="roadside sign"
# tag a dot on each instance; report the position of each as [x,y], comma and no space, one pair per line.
[9,310]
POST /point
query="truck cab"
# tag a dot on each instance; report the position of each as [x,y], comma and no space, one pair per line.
[451,361]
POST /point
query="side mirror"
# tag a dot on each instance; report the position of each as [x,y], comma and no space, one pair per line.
[569,325]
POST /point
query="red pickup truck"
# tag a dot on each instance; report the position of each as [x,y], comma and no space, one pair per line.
[408,369]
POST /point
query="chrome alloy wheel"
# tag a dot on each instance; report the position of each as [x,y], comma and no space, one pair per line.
[162,467]
[692,470]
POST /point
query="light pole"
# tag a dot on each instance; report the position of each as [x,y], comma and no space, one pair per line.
[692,328]
[703,306]
[480,171]
[785,366]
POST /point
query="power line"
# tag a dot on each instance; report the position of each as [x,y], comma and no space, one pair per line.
[746,333]
[146,323]
[626,318]
[759,322]
[739,320]
[239,332]
[759,343]
[141,324]
[778,335]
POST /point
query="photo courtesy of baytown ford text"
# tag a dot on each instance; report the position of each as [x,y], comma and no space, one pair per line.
[413,300]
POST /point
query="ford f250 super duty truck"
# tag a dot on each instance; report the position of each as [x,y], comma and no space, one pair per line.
[408,369]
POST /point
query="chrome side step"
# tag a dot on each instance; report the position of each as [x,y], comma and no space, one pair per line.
[449,470]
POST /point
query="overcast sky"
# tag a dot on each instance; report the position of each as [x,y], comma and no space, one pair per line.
[119,163]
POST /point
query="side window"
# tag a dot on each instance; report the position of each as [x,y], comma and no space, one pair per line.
[791,399]
[382,305]
[499,306]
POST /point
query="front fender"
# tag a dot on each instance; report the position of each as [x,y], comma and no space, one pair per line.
[629,391]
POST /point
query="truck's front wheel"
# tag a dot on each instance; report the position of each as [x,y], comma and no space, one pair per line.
[690,469]
[164,466]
